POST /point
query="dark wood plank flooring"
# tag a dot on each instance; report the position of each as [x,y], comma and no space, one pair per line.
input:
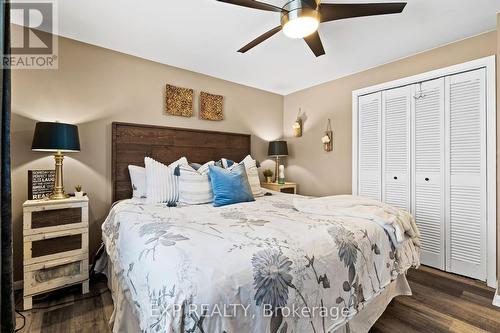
[441,302]
[67,310]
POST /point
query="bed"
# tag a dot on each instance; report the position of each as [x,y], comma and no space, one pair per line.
[273,265]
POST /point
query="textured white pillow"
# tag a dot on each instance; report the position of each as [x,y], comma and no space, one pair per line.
[194,185]
[138,180]
[161,184]
[253,176]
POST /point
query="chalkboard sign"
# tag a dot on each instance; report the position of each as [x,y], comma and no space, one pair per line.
[40,183]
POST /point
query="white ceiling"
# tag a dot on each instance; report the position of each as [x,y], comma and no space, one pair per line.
[203,36]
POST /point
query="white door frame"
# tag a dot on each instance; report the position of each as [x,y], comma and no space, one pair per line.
[491,210]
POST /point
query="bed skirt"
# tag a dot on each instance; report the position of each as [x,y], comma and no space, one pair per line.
[125,319]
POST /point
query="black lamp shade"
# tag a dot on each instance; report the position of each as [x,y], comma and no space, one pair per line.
[277,148]
[55,137]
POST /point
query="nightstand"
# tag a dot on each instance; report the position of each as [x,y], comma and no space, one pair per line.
[56,254]
[285,188]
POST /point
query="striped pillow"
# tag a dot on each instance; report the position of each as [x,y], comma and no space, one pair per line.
[161,184]
[194,185]
[253,176]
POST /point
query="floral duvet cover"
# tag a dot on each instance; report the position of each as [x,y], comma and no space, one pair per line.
[260,267]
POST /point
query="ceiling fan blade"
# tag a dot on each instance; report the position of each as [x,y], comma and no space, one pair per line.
[338,11]
[253,4]
[314,42]
[260,39]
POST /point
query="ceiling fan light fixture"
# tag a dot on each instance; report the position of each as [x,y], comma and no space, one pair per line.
[301,27]
[299,19]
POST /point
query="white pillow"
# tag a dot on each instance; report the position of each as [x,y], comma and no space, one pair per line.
[225,163]
[161,184]
[253,175]
[138,180]
[194,185]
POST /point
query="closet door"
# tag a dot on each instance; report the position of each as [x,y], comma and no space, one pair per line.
[428,180]
[396,104]
[370,146]
[466,185]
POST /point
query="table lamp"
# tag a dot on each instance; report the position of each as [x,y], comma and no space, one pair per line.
[58,138]
[277,149]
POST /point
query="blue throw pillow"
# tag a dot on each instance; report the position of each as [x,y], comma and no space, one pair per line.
[230,186]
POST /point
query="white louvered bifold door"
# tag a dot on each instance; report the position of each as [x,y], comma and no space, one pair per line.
[466,185]
[396,104]
[370,146]
[428,159]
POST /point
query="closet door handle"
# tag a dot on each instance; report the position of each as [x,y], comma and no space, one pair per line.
[426,179]
[395,177]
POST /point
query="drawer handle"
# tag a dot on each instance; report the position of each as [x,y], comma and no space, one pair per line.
[426,179]
[395,177]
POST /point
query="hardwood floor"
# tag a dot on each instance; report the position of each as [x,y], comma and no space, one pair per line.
[67,310]
[441,302]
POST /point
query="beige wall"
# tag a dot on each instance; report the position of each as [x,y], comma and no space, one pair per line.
[322,173]
[95,86]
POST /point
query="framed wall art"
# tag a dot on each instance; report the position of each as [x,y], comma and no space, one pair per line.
[211,106]
[179,101]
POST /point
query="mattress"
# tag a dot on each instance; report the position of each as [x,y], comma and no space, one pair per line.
[252,267]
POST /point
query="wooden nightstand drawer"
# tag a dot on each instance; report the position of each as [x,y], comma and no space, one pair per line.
[58,244]
[54,274]
[54,217]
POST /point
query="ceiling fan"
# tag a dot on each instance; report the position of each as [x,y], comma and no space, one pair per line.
[301,18]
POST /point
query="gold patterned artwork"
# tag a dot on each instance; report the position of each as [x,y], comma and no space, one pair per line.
[211,106]
[179,101]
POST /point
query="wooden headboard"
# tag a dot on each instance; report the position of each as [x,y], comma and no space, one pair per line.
[132,142]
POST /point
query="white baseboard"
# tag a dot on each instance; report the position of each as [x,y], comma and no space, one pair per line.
[496,299]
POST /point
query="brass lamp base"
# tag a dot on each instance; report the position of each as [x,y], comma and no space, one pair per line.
[58,192]
[276,169]
[58,196]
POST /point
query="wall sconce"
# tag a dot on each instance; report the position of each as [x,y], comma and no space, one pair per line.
[297,126]
[327,138]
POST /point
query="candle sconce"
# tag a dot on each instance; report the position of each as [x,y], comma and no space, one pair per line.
[327,138]
[297,125]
